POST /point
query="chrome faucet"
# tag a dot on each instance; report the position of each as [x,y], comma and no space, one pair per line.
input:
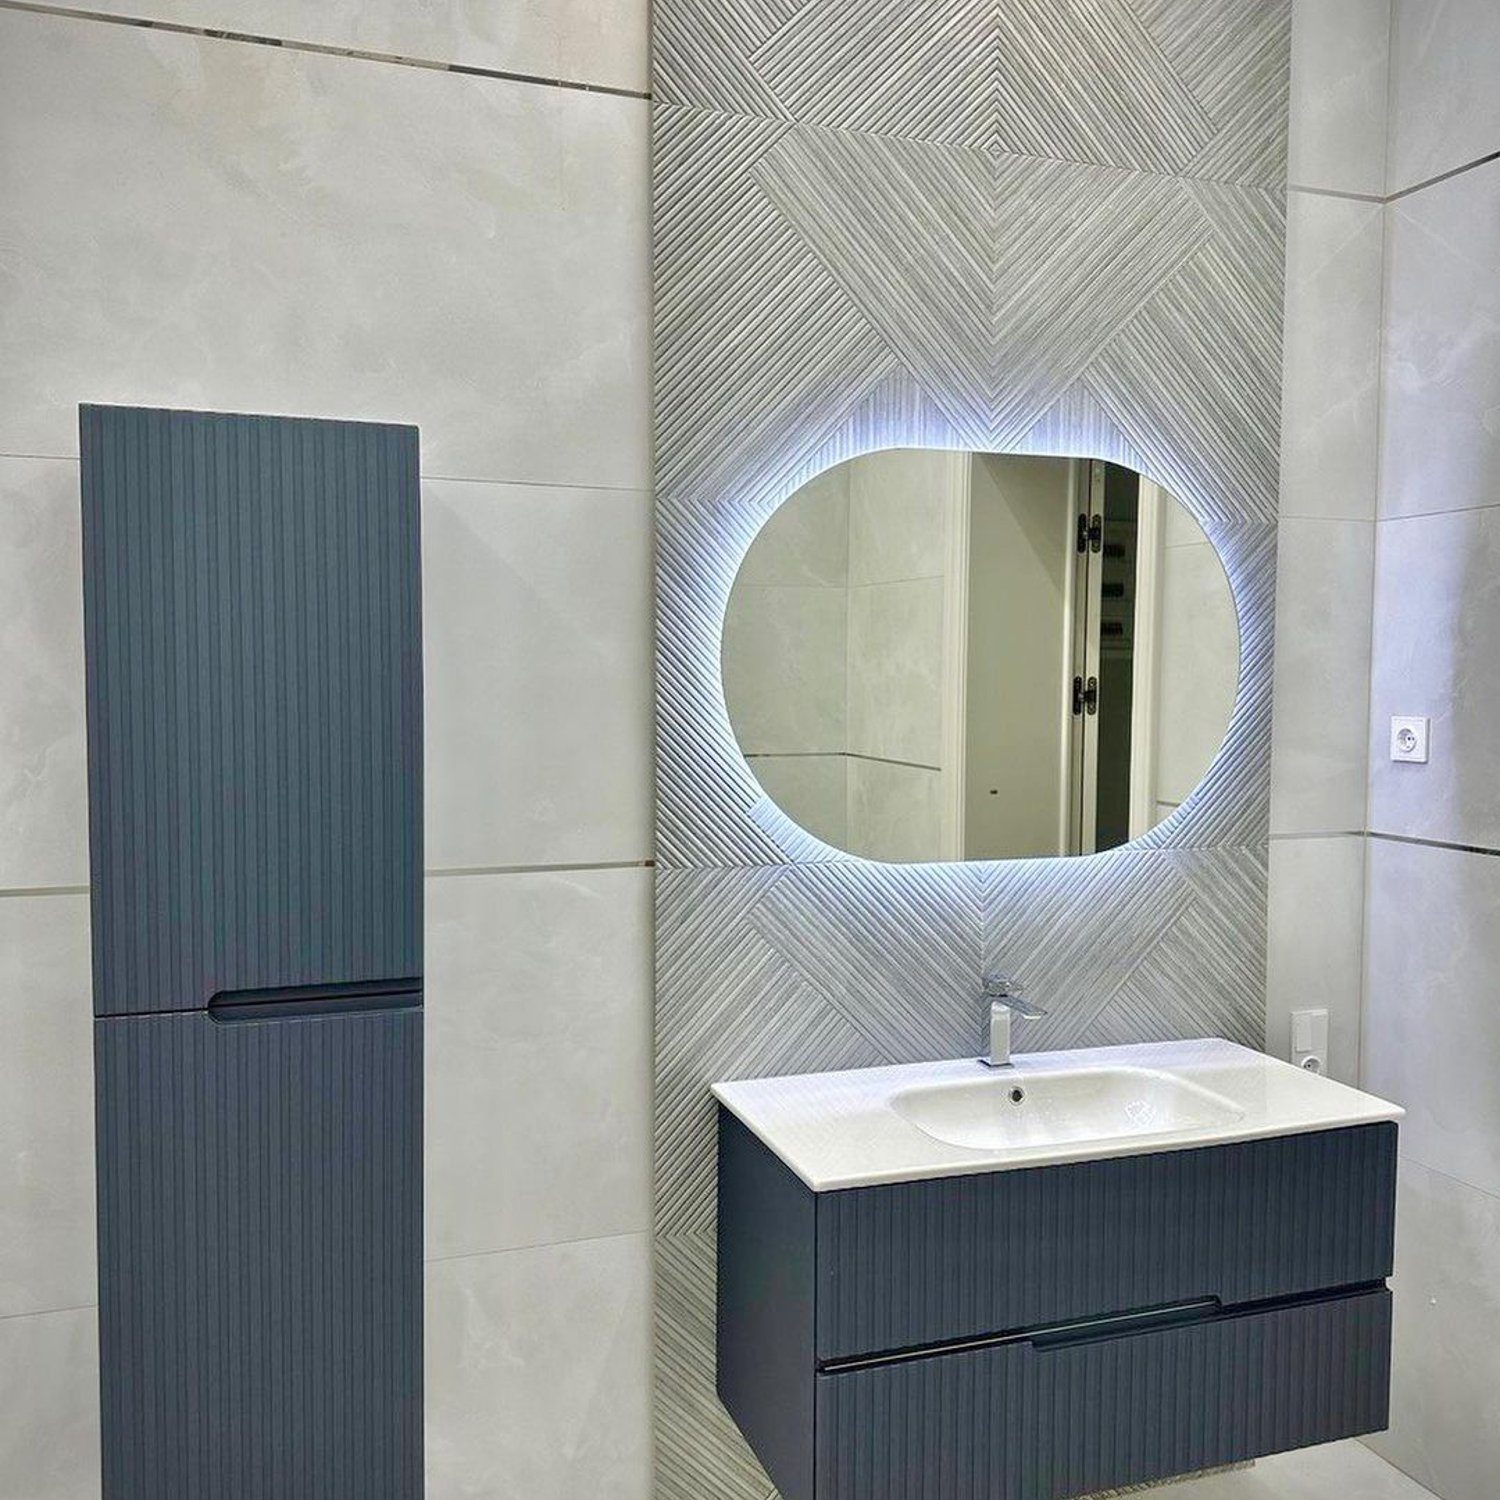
[1004,995]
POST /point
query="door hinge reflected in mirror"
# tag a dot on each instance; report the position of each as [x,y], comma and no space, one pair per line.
[1085,695]
[1090,532]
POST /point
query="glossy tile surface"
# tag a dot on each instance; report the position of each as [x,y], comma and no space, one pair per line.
[1441,441]
[1446,1359]
[896,678]
[1340,56]
[321,236]
[1445,109]
[49,1406]
[895,811]
[46,1106]
[1314,941]
[586,41]
[538,1373]
[1437,653]
[1319,733]
[538,1057]
[1431,1028]
[1330,412]
[536,634]
[43,791]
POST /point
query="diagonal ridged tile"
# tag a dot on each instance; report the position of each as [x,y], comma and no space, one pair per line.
[822,293]
[1188,88]
[919,69]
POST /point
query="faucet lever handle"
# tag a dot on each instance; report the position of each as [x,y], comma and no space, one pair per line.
[1001,986]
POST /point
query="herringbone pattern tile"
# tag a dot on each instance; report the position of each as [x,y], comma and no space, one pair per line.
[1052,226]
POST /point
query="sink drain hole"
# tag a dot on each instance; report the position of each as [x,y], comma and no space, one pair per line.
[1017,1095]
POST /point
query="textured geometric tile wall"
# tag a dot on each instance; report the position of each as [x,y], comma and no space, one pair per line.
[1051,226]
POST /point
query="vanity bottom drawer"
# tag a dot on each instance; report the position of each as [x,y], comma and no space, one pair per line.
[1070,1414]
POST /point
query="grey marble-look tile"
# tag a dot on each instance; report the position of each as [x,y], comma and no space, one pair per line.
[46,1106]
[190,222]
[538,994]
[583,41]
[538,1374]
[898,508]
[805,541]
[896,813]
[1198,667]
[1445,108]
[1318,737]
[49,1406]
[1315,944]
[1330,398]
[1431,1027]
[537,638]
[1332,1471]
[896,672]
[43,790]
[1441,438]
[1340,63]
[1437,653]
[812,790]
[1446,1360]
[783,660]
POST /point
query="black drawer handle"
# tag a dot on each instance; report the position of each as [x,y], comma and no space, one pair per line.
[307,1001]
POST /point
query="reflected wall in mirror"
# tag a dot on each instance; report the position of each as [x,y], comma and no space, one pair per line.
[931,655]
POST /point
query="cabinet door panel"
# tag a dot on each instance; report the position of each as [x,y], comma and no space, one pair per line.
[260,1249]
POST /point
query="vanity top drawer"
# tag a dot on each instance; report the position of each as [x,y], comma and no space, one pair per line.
[915,1263]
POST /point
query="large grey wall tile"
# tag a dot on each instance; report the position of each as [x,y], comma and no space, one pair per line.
[1431,1026]
[896,676]
[536,631]
[1441,442]
[784,669]
[1437,652]
[1330,398]
[1445,109]
[46,1106]
[1315,943]
[584,41]
[1445,1366]
[896,812]
[1340,64]
[898,515]
[194,223]
[538,1056]
[538,1374]
[49,1406]
[43,796]
[812,790]
[1319,735]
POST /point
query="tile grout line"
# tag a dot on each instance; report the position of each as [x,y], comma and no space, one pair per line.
[1457,1181]
[1421,843]
[1377,199]
[433,65]
[577,1239]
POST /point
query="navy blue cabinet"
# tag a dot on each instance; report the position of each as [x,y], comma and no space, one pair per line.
[252,625]
[1054,1331]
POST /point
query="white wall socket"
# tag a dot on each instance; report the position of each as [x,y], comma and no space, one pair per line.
[1409,734]
[1310,1040]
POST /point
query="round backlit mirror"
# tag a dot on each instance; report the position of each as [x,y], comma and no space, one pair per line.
[931,655]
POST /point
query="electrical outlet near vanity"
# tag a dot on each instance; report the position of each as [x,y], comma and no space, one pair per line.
[1086,1270]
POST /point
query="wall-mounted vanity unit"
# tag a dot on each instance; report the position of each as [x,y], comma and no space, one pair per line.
[1088,1270]
[253,631]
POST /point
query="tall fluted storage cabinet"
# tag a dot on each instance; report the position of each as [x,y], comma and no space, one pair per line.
[253,634]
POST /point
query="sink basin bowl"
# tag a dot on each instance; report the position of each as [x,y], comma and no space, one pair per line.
[1005,1109]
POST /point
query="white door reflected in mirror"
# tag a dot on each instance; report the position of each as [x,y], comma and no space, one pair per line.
[933,655]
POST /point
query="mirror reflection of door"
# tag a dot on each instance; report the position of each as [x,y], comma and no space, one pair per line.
[935,656]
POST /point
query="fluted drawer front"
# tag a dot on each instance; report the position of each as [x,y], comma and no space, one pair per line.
[1031,1422]
[928,1262]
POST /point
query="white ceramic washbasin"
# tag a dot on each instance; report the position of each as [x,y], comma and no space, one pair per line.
[944,1119]
[995,1111]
